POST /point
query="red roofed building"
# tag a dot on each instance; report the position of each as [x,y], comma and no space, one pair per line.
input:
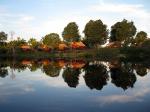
[26,47]
[62,46]
[77,45]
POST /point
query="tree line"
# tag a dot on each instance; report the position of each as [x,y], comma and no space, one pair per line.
[95,32]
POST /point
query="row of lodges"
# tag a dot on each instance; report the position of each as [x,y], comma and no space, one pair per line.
[61,47]
[73,45]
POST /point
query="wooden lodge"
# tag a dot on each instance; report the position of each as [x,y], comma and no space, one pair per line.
[25,47]
[62,47]
[44,48]
[77,45]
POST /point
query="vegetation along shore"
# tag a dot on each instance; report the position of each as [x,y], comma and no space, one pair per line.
[123,40]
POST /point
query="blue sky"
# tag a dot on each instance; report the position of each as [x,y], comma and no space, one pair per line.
[36,18]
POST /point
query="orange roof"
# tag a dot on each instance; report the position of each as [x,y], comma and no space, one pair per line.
[62,46]
[77,45]
[25,47]
[44,47]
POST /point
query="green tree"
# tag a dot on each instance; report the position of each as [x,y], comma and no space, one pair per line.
[96,33]
[71,32]
[17,43]
[33,42]
[3,36]
[52,40]
[140,38]
[123,31]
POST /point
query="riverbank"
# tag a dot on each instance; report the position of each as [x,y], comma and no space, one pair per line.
[101,54]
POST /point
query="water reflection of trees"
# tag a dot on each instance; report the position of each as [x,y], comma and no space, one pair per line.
[96,76]
[71,76]
[123,75]
[51,69]
[140,70]
[3,72]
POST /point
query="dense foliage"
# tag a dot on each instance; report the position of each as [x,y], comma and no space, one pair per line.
[96,33]
[71,33]
[123,31]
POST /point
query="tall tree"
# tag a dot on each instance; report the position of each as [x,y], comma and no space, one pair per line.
[123,31]
[52,40]
[3,36]
[95,33]
[71,32]
[140,38]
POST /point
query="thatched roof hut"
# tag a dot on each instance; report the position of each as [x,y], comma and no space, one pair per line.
[44,48]
[25,47]
[62,46]
[77,45]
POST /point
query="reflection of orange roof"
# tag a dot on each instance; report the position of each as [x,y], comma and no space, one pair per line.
[45,62]
[62,46]
[61,63]
[77,64]
[26,62]
[77,45]
[114,64]
[25,47]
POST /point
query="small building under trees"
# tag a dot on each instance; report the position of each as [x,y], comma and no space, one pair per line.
[115,44]
[62,47]
[77,45]
[44,48]
[25,47]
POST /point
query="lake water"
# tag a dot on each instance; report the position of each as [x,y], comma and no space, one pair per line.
[74,86]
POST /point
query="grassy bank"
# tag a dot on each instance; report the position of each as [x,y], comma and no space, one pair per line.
[102,53]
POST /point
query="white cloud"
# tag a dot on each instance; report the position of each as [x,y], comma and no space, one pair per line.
[114,12]
[117,8]
[27,18]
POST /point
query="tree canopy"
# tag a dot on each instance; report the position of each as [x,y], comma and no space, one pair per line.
[71,32]
[140,38]
[33,42]
[95,33]
[123,31]
[52,40]
[3,36]
[17,43]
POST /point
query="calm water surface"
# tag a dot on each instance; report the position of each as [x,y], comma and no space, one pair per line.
[74,86]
